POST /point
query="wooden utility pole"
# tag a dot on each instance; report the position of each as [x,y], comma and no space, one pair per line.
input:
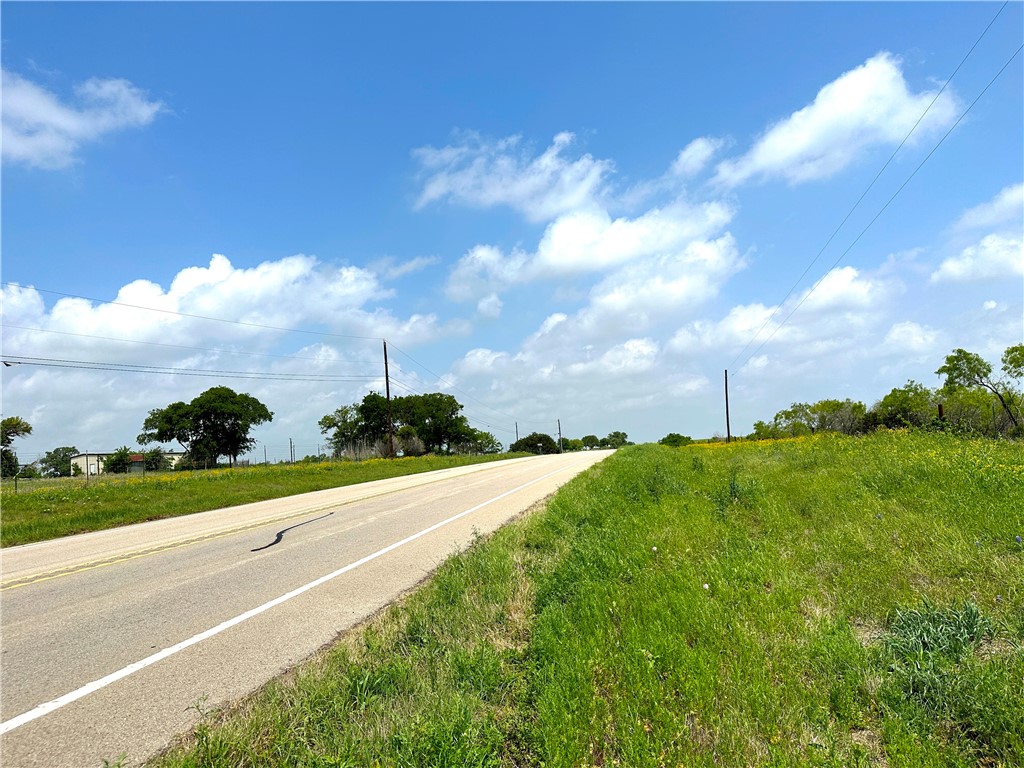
[387,394]
[517,431]
[559,435]
[728,431]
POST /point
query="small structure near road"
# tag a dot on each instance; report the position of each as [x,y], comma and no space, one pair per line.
[92,462]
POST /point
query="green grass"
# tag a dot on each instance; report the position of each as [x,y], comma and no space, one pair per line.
[61,508]
[823,602]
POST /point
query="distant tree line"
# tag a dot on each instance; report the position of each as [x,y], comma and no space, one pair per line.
[418,424]
[973,399]
[218,423]
[541,443]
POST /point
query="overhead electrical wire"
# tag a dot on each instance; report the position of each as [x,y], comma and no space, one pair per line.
[221,350]
[468,415]
[884,207]
[198,317]
[93,365]
[870,186]
[241,323]
[452,386]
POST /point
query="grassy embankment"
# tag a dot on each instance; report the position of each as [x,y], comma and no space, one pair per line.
[70,506]
[821,602]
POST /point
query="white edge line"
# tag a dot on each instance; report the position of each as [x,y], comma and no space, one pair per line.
[113,677]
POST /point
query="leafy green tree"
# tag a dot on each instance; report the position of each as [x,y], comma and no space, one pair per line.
[591,441]
[964,369]
[675,440]
[342,426]
[11,428]
[535,442]
[1013,361]
[57,463]
[572,444]
[435,417]
[844,416]
[155,460]
[615,440]
[216,423]
[408,442]
[119,462]
[373,417]
[912,405]
[477,441]
[972,411]
[175,422]
[794,421]
[765,431]
[30,471]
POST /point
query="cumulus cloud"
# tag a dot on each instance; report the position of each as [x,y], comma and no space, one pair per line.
[844,288]
[334,303]
[910,338]
[692,159]
[587,242]
[489,306]
[484,174]
[668,285]
[632,356]
[483,271]
[1006,208]
[995,257]
[840,321]
[868,106]
[42,131]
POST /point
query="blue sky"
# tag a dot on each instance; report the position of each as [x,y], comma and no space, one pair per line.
[574,211]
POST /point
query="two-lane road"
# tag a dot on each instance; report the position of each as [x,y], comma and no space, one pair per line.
[108,639]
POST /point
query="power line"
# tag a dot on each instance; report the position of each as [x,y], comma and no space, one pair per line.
[884,207]
[450,385]
[169,370]
[196,317]
[180,346]
[868,189]
[469,416]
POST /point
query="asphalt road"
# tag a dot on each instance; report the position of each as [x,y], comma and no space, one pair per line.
[109,639]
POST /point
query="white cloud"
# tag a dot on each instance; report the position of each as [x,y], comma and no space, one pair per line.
[844,288]
[631,356]
[489,306]
[1007,207]
[587,241]
[483,271]
[995,257]
[911,338]
[39,130]
[105,409]
[663,286]
[393,271]
[485,174]
[839,321]
[692,159]
[868,106]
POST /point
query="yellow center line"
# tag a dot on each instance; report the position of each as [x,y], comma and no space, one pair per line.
[91,565]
